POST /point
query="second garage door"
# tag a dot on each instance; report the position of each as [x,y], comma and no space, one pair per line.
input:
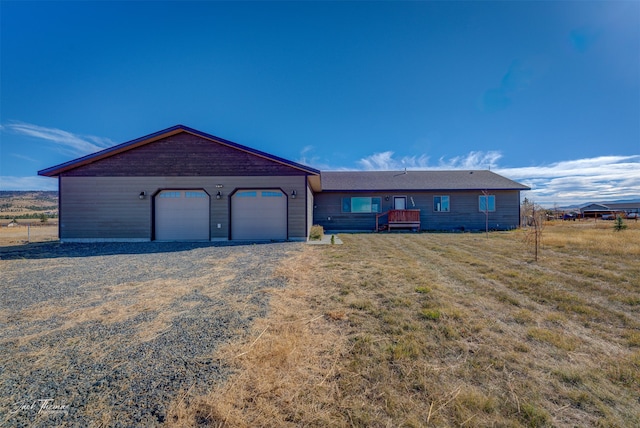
[259,215]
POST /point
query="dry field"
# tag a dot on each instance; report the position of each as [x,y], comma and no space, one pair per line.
[28,231]
[442,330]
[16,203]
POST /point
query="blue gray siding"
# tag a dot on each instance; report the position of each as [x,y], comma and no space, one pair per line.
[464,213]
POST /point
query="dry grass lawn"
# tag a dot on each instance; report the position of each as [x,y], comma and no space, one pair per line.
[443,330]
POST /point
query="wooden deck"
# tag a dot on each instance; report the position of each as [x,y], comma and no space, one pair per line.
[398,219]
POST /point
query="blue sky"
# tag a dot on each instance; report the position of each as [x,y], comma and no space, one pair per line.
[545,93]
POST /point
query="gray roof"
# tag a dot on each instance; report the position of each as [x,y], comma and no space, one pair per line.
[595,207]
[416,180]
[623,205]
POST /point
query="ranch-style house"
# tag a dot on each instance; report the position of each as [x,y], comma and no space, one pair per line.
[183,184]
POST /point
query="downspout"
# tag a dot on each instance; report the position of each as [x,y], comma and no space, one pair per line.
[519,211]
[306,205]
[59,207]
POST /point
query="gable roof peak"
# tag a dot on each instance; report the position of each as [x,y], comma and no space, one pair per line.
[173,130]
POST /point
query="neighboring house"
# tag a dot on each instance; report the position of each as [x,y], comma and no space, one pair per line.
[183,184]
[594,210]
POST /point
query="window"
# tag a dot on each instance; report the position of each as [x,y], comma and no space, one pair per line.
[361,205]
[195,195]
[272,194]
[170,194]
[441,203]
[487,203]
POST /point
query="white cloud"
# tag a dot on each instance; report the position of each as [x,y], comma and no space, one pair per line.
[582,180]
[24,157]
[27,183]
[310,158]
[64,141]
[473,160]
[385,162]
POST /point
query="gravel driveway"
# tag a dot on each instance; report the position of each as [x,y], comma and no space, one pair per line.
[112,334]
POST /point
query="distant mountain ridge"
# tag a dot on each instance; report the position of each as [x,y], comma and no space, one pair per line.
[13,193]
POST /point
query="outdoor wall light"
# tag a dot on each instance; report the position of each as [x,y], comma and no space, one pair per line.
[293,194]
[219,195]
[142,195]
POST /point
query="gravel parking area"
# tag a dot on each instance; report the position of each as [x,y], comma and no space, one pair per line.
[113,334]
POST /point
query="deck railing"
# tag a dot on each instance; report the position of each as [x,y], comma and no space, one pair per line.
[399,219]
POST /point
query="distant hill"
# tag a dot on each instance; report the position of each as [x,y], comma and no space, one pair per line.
[28,204]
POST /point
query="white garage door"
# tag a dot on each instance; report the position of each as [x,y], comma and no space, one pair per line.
[182,215]
[259,215]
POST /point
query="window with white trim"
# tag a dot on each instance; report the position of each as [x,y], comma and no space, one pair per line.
[441,204]
[487,203]
[361,204]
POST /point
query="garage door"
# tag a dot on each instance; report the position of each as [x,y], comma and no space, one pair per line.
[259,215]
[182,215]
